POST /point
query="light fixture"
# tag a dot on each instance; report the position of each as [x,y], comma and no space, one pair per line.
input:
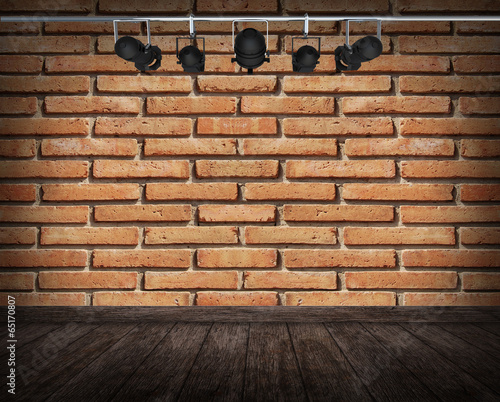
[133,50]
[306,58]
[250,49]
[190,57]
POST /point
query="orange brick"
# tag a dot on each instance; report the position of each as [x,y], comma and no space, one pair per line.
[398,192]
[140,299]
[235,168]
[46,299]
[483,105]
[290,280]
[340,169]
[44,214]
[21,64]
[45,44]
[450,169]
[43,258]
[398,235]
[192,191]
[289,235]
[20,27]
[44,169]
[87,280]
[142,213]
[236,298]
[198,146]
[476,64]
[288,105]
[89,147]
[480,27]
[237,213]
[480,192]
[290,191]
[143,84]
[142,258]
[192,235]
[191,105]
[18,148]
[181,27]
[401,280]
[303,258]
[258,6]
[37,5]
[338,126]
[282,63]
[413,6]
[92,104]
[18,235]
[396,104]
[88,64]
[449,84]
[142,126]
[448,44]
[91,192]
[152,6]
[335,6]
[94,235]
[138,169]
[191,280]
[455,214]
[330,42]
[338,213]
[336,84]
[340,298]
[88,27]
[399,147]
[229,83]
[481,281]
[286,27]
[388,63]
[44,126]
[480,235]
[17,281]
[451,299]
[451,258]
[44,84]
[289,146]
[368,27]
[237,258]
[17,105]
[17,192]
[237,125]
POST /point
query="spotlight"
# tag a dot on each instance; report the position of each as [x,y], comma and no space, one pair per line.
[133,50]
[190,57]
[250,49]
[306,58]
[364,49]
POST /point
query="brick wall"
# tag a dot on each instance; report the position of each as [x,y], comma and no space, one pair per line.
[376,187]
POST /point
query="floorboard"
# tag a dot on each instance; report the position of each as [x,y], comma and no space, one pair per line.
[29,333]
[492,327]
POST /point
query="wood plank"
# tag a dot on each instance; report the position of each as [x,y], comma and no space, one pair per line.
[161,376]
[326,372]
[29,333]
[103,377]
[474,361]
[428,365]
[480,338]
[491,327]
[219,370]
[384,376]
[272,372]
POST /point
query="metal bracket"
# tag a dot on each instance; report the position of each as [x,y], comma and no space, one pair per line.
[192,30]
[253,20]
[305,32]
[115,27]
[379,30]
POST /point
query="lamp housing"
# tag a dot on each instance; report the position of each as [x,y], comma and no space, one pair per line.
[306,58]
[348,58]
[145,57]
[250,49]
[190,57]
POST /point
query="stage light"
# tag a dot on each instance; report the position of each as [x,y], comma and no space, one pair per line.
[250,49]
[191,58]
[306,58]
[133,50]
[350,57]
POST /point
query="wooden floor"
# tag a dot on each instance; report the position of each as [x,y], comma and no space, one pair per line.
[360,359]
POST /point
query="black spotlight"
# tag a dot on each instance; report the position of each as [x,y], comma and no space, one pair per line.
[250,49]
[133,50]
[190,57]
[364,49]
[306,58]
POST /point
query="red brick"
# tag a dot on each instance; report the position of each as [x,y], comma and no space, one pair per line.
[331,42]
[20,27]
[335,6]
[229,83]
[46,299]
[414,6]
[44,126]
[399,147]
[237,125]
[140,169]
[404,64]
[398,235]
[476,64]
[44,169]
[17,105]
[91,27]
[37,5]
[324,126]
[302,258]
[21,64]
[340,169]
[87,280]
[289,146]
[182,28]
[18,235]
[236,168]
[289,235]
[483,105]
[191,280]
[39,214]
[43,258]
[451,299]
[192,235]
[236,298]
[396,104]
[91,104]
[191,191]
[90,192]
[448,44]
[91,235]
[142,6]
[455,214]
[392,27]
[338,213]
[144,84]
[17,281]
[142,126]
[290,280]
[480,27]
[45,44]
[290,191]
[336,84]
[480,235]
[192,146]
[142,258]
[401,280]
[17,192]
[449,84]
[340,298]
[481,281]
[237,213]
[398,192]
[89,147]
[142,213]
[221,6]
[18,148]
[191,105]
[451,258]
[480,192]
[450,169]
[140,299]
[288,105]
[88,64]
[44,84]
[237,258]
